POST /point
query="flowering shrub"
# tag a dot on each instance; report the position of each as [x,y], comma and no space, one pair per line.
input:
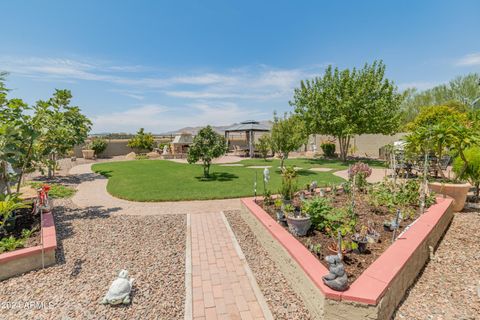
[359,168]
[361,171]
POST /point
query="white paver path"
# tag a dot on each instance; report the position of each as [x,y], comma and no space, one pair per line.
[93,193]
[218,281]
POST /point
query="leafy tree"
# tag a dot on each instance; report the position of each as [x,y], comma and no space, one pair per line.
[442,129]
[142,141]
[461,92]
[287,135]
[207,145]
[344,103]
[37,135]
[264,145]
[62,126]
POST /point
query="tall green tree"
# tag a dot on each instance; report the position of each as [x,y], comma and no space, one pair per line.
[344,103]
[460,92]
[207,145]
[288,134]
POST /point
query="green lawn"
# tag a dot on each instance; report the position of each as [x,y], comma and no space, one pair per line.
[305,163]
[163,180]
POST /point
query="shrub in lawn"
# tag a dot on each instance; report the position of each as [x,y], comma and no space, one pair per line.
[207,145]
[328,149]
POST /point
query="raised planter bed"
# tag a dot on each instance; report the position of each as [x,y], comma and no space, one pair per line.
[27,259]
[378,290]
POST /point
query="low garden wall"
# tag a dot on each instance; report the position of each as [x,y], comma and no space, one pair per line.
[378,290]
[23,260]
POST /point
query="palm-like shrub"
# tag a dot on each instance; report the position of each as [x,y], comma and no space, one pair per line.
[472,170]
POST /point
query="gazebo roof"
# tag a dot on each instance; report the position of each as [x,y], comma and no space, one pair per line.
[249,125]
[183,138]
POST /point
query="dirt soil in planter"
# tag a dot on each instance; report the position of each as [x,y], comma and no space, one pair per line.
[29,221]
[355,262]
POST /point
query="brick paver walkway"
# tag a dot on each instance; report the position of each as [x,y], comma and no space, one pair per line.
[223,286]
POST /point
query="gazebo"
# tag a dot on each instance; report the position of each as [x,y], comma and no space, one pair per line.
[249,127]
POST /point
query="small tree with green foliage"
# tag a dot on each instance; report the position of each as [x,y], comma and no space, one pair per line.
[264,146]
[288,134]
[98,145]
[142,141]
[61,127]
[207,145]
[344,103]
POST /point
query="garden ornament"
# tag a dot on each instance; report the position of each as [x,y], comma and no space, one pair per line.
[165,150]
[120,289]
[337,278]
[266,175]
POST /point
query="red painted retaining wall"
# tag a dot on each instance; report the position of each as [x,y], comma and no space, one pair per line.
[23,260]
[374,282]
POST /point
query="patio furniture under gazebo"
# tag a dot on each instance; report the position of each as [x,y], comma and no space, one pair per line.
[249,127]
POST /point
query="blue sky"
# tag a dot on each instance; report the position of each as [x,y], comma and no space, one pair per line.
[164,65]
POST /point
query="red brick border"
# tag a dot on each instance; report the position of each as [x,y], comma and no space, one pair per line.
[49,241]
[372,284]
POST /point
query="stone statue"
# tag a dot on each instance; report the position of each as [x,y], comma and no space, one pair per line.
[119,291]
[166,150]
[336,279]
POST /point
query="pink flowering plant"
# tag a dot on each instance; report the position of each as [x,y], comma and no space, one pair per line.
[360,171]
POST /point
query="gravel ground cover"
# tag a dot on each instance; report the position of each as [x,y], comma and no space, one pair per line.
[449,287]
[93,247]
[282,300]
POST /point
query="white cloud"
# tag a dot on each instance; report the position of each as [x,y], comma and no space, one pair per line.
[159,119]
[472,59]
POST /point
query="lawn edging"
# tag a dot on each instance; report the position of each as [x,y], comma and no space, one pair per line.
[378,290]
[27,259]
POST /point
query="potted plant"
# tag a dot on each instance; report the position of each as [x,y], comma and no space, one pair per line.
[298,223]
[361,239]
[88,152]
[98,145]
[471,172]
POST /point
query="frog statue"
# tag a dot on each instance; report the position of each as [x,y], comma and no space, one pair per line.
[119,292]
[337,278]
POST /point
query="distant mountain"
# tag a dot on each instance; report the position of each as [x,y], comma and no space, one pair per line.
[219,129]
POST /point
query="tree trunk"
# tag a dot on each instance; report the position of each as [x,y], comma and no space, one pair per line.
[344,143]
[283,156]
[477,191]
[206,169]
[5,177]
[24,165]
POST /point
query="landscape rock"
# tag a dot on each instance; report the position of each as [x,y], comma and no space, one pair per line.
[131,156]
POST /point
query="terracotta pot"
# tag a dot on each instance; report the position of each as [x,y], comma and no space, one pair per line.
[456,191]
[88,154]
